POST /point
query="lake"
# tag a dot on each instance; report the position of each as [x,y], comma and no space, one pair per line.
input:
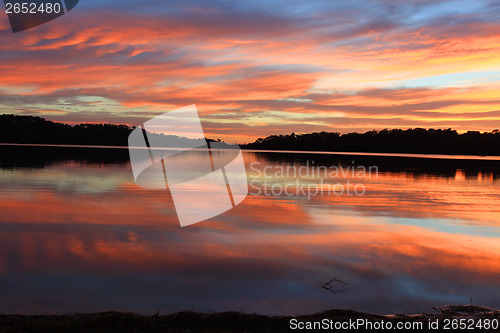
[399,234]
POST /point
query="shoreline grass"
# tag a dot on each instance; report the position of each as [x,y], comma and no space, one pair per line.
[191,322]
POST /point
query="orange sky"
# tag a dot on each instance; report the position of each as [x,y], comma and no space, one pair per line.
[261,68]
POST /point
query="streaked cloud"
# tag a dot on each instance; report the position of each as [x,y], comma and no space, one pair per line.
[261,68]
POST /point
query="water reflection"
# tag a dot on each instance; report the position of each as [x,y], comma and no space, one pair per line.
[76,235]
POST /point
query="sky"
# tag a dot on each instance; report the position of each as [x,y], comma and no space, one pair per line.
[256,68]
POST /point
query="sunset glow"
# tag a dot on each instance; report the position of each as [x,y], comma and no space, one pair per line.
[259,69]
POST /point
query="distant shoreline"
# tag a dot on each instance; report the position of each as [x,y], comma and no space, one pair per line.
[404,155]
[412,142]
[346,153]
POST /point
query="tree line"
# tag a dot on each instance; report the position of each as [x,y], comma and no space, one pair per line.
[30,129]
[37,130]
[414,140]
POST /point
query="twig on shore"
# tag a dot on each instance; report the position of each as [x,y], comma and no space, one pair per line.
[329,287]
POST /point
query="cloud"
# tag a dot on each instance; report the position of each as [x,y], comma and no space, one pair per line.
[261,65]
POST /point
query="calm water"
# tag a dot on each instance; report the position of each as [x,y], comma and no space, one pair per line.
[77,235]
